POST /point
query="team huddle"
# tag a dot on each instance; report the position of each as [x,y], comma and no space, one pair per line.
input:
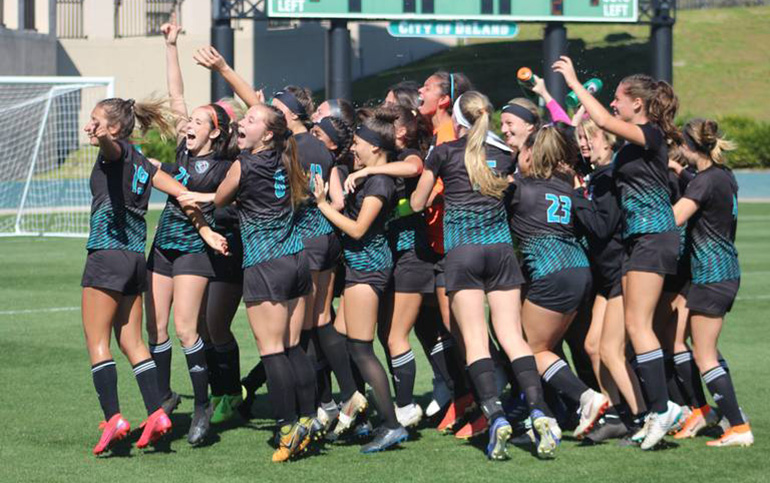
[612,232]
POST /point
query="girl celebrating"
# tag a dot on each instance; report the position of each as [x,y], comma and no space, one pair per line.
[368,262]
[267,183]
[710,203]
[644,117]
[115,274]
[480,261]
[179,267]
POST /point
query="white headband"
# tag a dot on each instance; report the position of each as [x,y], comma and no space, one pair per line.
[491,138]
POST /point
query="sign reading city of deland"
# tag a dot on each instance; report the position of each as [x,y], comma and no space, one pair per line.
[460,10]
[408,28]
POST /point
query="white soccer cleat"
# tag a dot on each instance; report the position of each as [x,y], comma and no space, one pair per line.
[409,415]
[592,406]
[660,424]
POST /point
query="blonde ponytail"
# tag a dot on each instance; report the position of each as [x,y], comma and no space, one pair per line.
[476,108]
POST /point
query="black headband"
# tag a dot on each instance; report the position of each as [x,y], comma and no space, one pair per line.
[334,108]
[369,136]
[327,126]
[290,101]
[521,112]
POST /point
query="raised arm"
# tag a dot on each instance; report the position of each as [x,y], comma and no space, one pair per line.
[601,116]
[109,149]
[209,58]
[422,193]
[410,167]
[229,186]
[554,108]
[174,77]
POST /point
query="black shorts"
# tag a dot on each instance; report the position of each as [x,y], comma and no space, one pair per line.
[413,273]
[173,262]
[118,270]
[488,267]
[277,280]
[712,298]
[339,280]
[609,289]
[562,291]
[677,283]
[656,253]
[322,252]
[378,280]
[228,269]
[438,271]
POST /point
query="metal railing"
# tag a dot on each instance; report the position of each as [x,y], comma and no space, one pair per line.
[69,19]
[141,18]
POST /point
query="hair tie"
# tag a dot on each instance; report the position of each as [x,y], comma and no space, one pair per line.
[131,103]
[288,134]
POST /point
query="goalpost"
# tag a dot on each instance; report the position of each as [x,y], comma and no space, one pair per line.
[45,157]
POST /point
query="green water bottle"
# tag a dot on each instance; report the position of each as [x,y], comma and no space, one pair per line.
[526,81]
[594,86]
[403,209]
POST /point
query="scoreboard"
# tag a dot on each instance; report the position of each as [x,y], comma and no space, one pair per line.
[490,10]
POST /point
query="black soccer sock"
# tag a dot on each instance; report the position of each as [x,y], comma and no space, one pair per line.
[105,378]
[564,381]
[229,364]
[281,387]
[212,365]
[304,379]
[675,393]
[374,374]
[323,382]
[404,370]
[335,349]
[723,362]
[689,378]
[147,377]
[161,354]
[612,416]
[721,388]
[652,377]
[525,369]
[482,374]
[256,378]
[199,373]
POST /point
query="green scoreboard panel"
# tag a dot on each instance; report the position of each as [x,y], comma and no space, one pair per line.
[491,10]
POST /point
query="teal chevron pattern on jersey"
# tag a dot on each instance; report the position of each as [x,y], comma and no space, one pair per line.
[123,228]
[544,255]
[647,212]
[468,227]
[369,254]
[176,231]
[713,260]
[268,238]
[310,222]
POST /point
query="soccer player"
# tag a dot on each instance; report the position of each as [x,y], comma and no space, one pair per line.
[710,204]
[115,273]
[644,118]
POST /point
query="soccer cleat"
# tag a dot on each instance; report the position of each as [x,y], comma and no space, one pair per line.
[441,397]
[290,438]
[409,415]
[695,422]
[499,433]
[735,436]
[660,423]
[327,416]
[455,412]
[349,411]
[310,433]
[384,438]
[170,403]
[473,428]
[724,423]
[156,425]
[686,411]
[641,433]
[604,430]
[363,428]
[547,435]
[112,431]
[226,409]
[592,406]
[199,427]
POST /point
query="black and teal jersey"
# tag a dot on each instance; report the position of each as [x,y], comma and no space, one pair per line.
[265,209]
[471,218]
[711,231]
[121,193]
[407,228]
[542,219]
[598,215]
[315,159]
[226,223]
[641,175]
[202,174]
[371,252]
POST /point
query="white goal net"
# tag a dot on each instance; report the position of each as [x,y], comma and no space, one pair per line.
[45,158]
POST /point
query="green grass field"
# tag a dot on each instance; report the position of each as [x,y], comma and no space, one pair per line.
[721,61]
[49,409]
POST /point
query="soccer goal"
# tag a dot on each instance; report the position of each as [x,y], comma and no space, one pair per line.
[45,157]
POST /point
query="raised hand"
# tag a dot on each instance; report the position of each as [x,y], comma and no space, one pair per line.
[565,67]
[171,30]
[319,189]
[209,58]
